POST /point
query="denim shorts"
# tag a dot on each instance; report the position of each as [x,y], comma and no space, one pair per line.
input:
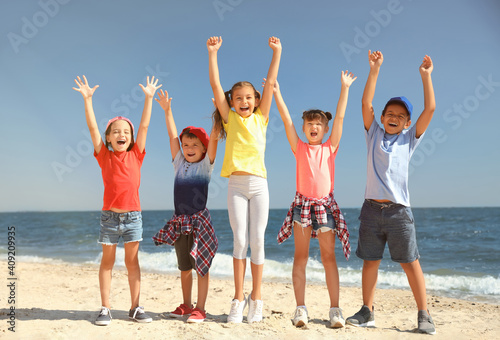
[330,222]
[183,247]
[127,225]
[390,223]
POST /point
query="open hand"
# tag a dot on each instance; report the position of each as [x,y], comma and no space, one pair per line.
[347,78]
[151,87]
[84,88]
[163,100]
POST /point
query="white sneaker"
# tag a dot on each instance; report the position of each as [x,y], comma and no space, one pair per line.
[300,317]
[254,310]
[336,318]
[236,312]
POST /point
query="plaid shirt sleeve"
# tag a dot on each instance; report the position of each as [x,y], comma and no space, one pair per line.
[205,243]
[170,231]
[340,227]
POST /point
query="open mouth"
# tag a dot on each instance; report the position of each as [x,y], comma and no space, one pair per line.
[314,134]
[244,108]
[121,142]
[393,124]
[191,154]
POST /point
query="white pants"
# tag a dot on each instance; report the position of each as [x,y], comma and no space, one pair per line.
[248,208]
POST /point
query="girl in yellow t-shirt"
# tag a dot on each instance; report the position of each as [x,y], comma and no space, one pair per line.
[243,114]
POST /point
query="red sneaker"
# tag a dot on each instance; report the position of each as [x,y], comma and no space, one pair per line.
[197,315]
[180,311]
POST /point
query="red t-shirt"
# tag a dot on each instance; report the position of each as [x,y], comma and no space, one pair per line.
[121,174]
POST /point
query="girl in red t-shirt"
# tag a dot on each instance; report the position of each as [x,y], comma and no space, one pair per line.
[120,159]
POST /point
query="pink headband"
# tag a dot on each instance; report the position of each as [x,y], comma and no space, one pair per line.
[112,120]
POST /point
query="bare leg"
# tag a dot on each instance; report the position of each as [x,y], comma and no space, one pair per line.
[369,281]
[257,270]
[239,267]
[134,271]
[301,237]
[186,285]
[327,249]
[105,272]
[203,284]
[417,283]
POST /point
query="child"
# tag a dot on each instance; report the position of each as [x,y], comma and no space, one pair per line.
[120,160]
[314,211]
[248,195]
[190,230]
[386,216]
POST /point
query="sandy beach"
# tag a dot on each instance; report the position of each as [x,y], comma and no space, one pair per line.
[61,301]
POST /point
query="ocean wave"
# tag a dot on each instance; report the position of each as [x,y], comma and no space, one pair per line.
[484,288]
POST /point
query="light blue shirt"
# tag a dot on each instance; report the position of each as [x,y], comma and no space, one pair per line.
[388,162]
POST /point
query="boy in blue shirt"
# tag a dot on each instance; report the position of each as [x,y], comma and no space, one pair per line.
[386,215]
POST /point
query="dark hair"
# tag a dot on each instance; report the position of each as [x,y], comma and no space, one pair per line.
[396,103]
[132,142]
[317,114]
[217,118]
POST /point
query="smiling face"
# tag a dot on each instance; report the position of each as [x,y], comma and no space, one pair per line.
[193,149]
[244,101]
[119,136]
[395,119]
[315,130]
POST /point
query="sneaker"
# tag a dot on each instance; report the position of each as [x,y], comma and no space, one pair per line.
[181,311]
[138,314]
[197,315]
[300,318]
[254,310]
[363,318]
[336,318]
[425,323]
[236,312]
[104,317]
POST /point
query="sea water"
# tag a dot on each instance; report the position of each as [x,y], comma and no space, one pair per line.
[459,248]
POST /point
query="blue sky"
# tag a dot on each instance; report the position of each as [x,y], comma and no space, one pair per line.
[47,157]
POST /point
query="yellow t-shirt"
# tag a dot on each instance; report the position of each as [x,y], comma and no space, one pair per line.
[245,144]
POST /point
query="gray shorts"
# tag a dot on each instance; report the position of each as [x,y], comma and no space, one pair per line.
[183,247]
[390,223]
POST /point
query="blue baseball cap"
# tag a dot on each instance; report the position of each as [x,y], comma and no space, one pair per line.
[401,100]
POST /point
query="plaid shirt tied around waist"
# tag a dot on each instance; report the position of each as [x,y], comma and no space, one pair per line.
[205,243]
[319,210]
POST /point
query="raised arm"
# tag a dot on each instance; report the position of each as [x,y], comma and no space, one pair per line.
[375,60]
[429,100]
[291,133]
[272,76]
[165,103]
[212,144]
[149,92]
[87,93]
[213,45]
[338,122]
